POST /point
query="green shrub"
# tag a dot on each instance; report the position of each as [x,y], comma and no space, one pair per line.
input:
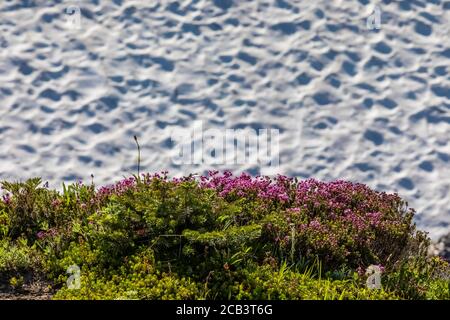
[137,278]
[17,257]
[421,278]
[287,284]
[218,237]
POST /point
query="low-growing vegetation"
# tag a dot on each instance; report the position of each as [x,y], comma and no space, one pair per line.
[215,237]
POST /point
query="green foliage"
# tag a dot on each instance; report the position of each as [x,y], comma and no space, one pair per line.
[153,238]
[33,208]
[30,204]
[5,223]
[287,284]
[135,279]
[17,257]
[16,283]
[233,236]
[421,278]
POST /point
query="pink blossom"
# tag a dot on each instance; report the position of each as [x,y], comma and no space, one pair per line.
[6,199]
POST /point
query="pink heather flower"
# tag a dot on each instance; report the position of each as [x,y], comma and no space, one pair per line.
[119,188]
[6,199]
[360,271]
[374,218]
[141,232]
[315,224]
[283,197]
[244,185]
[381,268]
[56,203]
[41,235]
[294,211]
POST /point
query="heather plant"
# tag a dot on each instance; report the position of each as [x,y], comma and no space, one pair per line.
[218,236]
[342,223]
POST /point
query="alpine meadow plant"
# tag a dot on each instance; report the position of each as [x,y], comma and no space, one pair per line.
[218,236]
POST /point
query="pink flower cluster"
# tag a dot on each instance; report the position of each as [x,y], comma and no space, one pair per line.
[350,204]
[339,217]
[354,203]
[117,189]
[244,185]
[56,203]
[6,199]
[130,183]
[339,195]
[46,234]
